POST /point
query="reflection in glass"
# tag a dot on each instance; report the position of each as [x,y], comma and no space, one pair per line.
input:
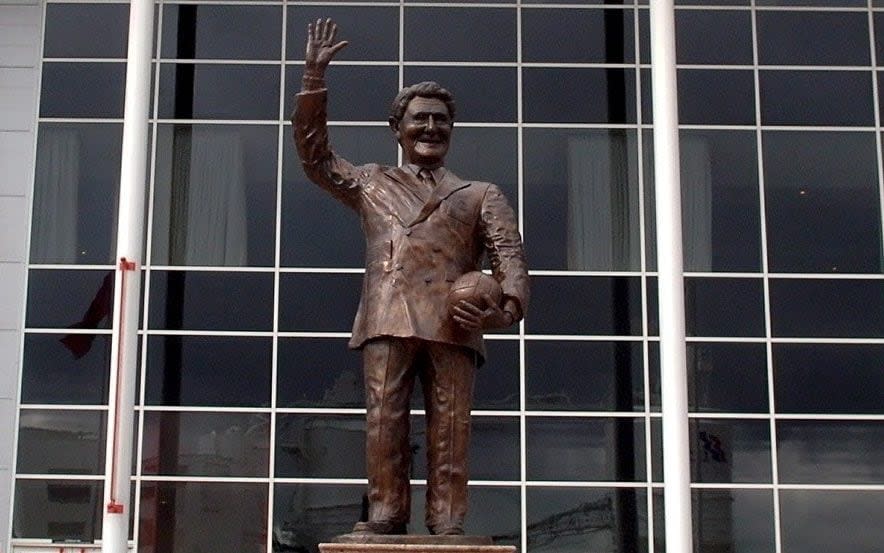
[70,299]
[75,193]
[482,94]
[349,98]
[318,372]
[60,442]
[816,98]
[214,195]
[100,31]
[320,446]
[72,369]
[581,199]
[203,516]
[813,38]
[833,308]
[591,95]
[307,514]
[821,196]
[737,521]
[497,382]
[711,302]
[822,521]
[494,448]
[727,450]
[725,377]
[713,37]
[492,511]
[585,305]
[608,449]
[716,97]
[830,452]
[829,378]
[447,34]
[205,444]
[224,371]
[373,32]
[584,376]
[82,89]
[578,36]
[196,300]
[576,520]
[486,154]
[318,302]
[218,91]
[218,32]
[58,510]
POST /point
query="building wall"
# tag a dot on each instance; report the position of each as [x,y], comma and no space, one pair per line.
[20,39]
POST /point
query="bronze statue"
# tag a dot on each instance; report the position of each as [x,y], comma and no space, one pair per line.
[424,227]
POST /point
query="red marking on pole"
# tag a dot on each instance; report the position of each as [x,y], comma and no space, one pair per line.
[113,506]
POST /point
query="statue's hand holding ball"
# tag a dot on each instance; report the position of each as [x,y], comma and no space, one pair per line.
[474,302]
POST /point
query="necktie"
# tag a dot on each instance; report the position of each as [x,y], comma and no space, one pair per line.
[426,176]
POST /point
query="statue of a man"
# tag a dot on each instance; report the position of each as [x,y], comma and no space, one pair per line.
[424,227]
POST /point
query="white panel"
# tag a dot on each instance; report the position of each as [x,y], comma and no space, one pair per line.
[18,104]
[13,213]
[10,355]
[7,432]
[20,11]
[12,284]
[16,151]
[19,46]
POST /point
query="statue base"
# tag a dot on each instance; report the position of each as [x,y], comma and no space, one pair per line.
[362,543]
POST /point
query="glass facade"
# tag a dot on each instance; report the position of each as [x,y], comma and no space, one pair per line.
[249,408]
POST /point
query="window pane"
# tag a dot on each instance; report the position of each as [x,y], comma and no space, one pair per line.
[205,444]
[578,36]
[318,302]
[198,300]
[356,93]
[581,207]
[808,518]
[202,516]
[493,511]
[482,94]
[488,155]
[494,448]
[815,3]
[816,98]
[612,94]
[835,308]
[737,521]
[715,97]
[829,378]
[450,34]
[71,368]
[297,455]
[307,514]
[585,305]
[319,372]
[61,442]
[821,194]
[218,91]
[222,371]
[214,195]
[713,37]
[100,31]
[710,305]
[607,449]
[726,377]
[584,376]
[82,89]
[373,32]
[809,38]
[221,32]
[730,450]
[830,452]
[497,381]
[58,510]
[69,298]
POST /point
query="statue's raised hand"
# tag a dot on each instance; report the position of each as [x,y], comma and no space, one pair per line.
[321,46]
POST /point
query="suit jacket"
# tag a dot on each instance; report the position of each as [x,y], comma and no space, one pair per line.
[415,248]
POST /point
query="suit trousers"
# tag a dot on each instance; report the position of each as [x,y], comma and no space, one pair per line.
[447,374]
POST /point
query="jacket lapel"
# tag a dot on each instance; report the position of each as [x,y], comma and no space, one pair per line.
[450,184]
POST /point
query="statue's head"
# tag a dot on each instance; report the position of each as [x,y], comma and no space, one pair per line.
[421,117]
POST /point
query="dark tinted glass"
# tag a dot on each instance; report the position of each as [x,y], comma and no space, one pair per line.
[715,97]
[808,517]
[816,98]
[60,442]
[357,93]
[86,31]
[725,377]
[189,516]
[373,32]
[221,32]
[307,514]
[211,300]
[494,448]
[719,196]
[815,3]
[71,368]
[585,449]
[208,371]
[835,308]
[486,94]
[730,450]
[214,195]
[69,298]
[829,378]
[82,89]
[830,452]
[591,95]
[585,305]
[317,230]
[567,520]
[58,510]
[488,155]
[713,37]
[298,456]
[318,302]
[584,376]
[218,91]
[822,194]
[737,521]
[75,193]
[813,38]
[205,444]
[497,381]
[710,305]
[465,34]
[578,36]
[879,37]
[581,199]
[318,372]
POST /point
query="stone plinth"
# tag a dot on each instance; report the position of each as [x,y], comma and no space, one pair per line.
[353,543]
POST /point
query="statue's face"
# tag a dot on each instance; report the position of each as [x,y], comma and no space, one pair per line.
[425,131]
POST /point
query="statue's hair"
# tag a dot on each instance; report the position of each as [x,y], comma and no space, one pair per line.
[426,89]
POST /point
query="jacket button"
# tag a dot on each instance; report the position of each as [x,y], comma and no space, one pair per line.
[408,232]
[399,266]
[428,279]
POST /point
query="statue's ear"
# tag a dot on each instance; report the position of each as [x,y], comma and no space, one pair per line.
[394,126]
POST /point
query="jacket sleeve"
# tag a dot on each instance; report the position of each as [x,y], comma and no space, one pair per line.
[503,245]
[333,173]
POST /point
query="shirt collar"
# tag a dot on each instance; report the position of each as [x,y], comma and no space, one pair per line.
[438,172]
